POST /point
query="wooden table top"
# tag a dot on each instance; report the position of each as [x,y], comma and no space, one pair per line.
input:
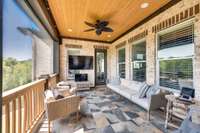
[174,98]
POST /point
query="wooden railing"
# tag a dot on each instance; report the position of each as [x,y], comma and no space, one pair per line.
[23,107]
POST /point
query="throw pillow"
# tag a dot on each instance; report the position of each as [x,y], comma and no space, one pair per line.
[144,90]
[141,88]
[151,91]
[59,97]
[49,94]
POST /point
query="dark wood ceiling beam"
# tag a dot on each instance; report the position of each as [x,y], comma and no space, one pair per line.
[46,10]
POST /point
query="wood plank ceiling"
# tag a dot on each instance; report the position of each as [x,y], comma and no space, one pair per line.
[70,15]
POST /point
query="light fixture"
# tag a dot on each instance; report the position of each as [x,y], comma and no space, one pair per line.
[109,36]
[70,30]
[144,5]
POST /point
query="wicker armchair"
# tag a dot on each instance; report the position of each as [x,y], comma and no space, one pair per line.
[60,108]
[157,101]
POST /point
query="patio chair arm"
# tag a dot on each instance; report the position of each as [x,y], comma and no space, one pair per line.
[157,101]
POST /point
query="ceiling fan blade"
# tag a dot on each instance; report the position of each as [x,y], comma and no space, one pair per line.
[98,32]
[103,23]
[88,30]
[107,29]
[89,24]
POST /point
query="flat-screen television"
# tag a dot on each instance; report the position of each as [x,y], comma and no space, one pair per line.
[80,62]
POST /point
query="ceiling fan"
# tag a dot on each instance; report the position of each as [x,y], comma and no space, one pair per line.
[99,27]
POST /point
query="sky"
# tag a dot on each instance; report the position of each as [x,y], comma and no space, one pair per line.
[16,44]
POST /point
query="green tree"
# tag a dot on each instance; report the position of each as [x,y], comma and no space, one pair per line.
[16,73]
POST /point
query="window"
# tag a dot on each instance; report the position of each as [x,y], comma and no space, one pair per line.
[121,63]
[176,66]
[139,62]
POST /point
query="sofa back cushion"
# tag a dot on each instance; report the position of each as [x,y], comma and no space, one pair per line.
[133,85]
[124,82]
[115,81]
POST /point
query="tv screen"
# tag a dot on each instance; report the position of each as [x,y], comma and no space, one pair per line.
[80,62]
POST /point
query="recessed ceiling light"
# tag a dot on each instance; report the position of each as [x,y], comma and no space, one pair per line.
[70,30]
[108,35]
[144,5]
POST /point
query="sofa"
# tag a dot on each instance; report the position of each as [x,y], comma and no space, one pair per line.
[132,91]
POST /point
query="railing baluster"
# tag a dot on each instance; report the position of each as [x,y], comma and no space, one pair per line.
[19,114]
[39,102]
[31,104]
[28,110]
[14,116]
[35,103]
[25,113]
[7,119]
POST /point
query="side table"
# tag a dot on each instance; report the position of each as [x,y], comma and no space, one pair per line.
[172,99]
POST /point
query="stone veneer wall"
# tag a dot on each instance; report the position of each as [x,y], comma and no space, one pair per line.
[42,57]
[150,51]
[151,45]
[87,49]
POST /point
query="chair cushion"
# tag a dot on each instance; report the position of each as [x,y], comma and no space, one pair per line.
[49,94]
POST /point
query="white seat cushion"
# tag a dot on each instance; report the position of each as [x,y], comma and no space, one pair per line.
[130,94]
[114,87]
[143,102]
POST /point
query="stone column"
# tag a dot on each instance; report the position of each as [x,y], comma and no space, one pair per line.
[196,70]
[151,58]
[127,61]
[63,62]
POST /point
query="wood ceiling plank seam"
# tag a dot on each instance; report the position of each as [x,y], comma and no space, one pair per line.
[85,16]
[125,7]
[109,10]
[61,11]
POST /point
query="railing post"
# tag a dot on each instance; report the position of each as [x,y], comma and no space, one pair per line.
[46,77]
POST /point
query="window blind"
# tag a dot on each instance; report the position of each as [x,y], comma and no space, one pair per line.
[179,37]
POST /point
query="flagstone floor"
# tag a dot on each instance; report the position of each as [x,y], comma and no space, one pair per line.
[103,111]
